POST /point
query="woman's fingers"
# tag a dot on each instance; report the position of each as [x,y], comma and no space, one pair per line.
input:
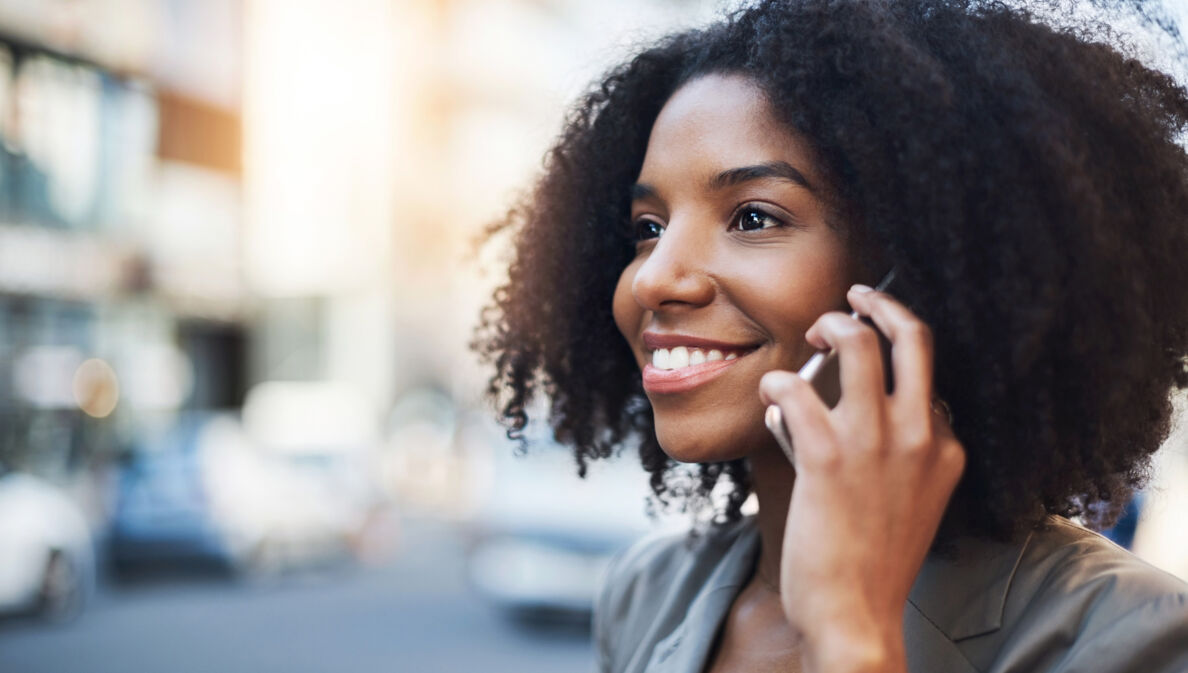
[866,417]
[861,363]
[911,345]
[805,415]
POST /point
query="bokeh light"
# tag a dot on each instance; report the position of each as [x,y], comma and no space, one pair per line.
[96,388]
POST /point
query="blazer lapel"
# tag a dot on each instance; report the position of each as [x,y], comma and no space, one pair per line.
[963,596]
[928,649]
[954,598]
[958,597]
[687,648]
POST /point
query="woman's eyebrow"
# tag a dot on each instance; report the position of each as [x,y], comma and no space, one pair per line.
[781,170]
[641,190]
[772,169]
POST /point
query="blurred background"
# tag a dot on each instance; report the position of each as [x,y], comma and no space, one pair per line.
[240,428]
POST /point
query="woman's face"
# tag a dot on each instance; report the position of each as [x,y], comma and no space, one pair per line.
[734,262]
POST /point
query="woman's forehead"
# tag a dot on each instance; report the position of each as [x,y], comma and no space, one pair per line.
[719,122]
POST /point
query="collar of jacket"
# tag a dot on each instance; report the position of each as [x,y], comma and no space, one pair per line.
[963,595]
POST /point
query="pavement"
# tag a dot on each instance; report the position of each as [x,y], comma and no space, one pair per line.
[414,613]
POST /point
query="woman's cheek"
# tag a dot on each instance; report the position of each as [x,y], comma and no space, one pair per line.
[628,314]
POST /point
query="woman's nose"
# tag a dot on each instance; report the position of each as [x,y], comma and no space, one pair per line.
[676,271]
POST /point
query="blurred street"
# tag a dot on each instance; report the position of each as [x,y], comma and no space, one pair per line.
[413,614]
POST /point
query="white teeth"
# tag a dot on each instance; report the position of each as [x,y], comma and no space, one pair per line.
[678,357]
[660,358]
[683,356]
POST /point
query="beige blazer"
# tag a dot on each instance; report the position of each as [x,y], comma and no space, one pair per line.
[1064,600]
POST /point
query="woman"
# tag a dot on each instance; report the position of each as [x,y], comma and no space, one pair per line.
[712,212]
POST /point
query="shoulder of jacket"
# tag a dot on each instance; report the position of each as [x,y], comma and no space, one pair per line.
[1081,603]
[1078,561]
[1037,608]
[1071,580]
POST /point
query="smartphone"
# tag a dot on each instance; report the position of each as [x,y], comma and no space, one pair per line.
[824,373]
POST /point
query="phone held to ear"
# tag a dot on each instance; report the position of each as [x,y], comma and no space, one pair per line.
[823,371]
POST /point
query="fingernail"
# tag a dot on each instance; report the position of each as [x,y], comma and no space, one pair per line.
[772,381]
[772,378]
[860,288]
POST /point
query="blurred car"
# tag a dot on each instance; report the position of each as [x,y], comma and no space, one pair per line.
[542,537]
[162,512]
[316,496]
[204,493]
[47,563]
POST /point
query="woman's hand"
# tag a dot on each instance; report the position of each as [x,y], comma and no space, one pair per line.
[874,475]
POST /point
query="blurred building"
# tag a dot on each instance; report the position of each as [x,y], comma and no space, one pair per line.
[202,200]
[121,295]
[380,139]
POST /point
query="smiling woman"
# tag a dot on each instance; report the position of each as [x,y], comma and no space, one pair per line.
[733,252]
[712,213]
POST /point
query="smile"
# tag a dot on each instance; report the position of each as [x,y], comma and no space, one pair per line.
[682,368]
[681,357]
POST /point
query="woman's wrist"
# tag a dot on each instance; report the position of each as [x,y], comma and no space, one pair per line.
[847,648]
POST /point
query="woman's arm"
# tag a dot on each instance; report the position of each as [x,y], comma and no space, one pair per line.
[874,475]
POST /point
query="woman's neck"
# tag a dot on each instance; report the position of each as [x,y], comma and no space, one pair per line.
[772,478]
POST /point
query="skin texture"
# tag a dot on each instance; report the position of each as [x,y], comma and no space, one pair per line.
[876,472]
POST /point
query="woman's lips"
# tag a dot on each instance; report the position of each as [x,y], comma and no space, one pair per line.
[654,340]
[656,380]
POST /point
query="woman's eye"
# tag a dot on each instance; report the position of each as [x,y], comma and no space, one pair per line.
[646,229]
[753,219]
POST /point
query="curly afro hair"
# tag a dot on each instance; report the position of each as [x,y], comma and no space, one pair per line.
[1025,178]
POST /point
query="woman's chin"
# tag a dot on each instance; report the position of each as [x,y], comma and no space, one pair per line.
[688,445]
[716,434]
